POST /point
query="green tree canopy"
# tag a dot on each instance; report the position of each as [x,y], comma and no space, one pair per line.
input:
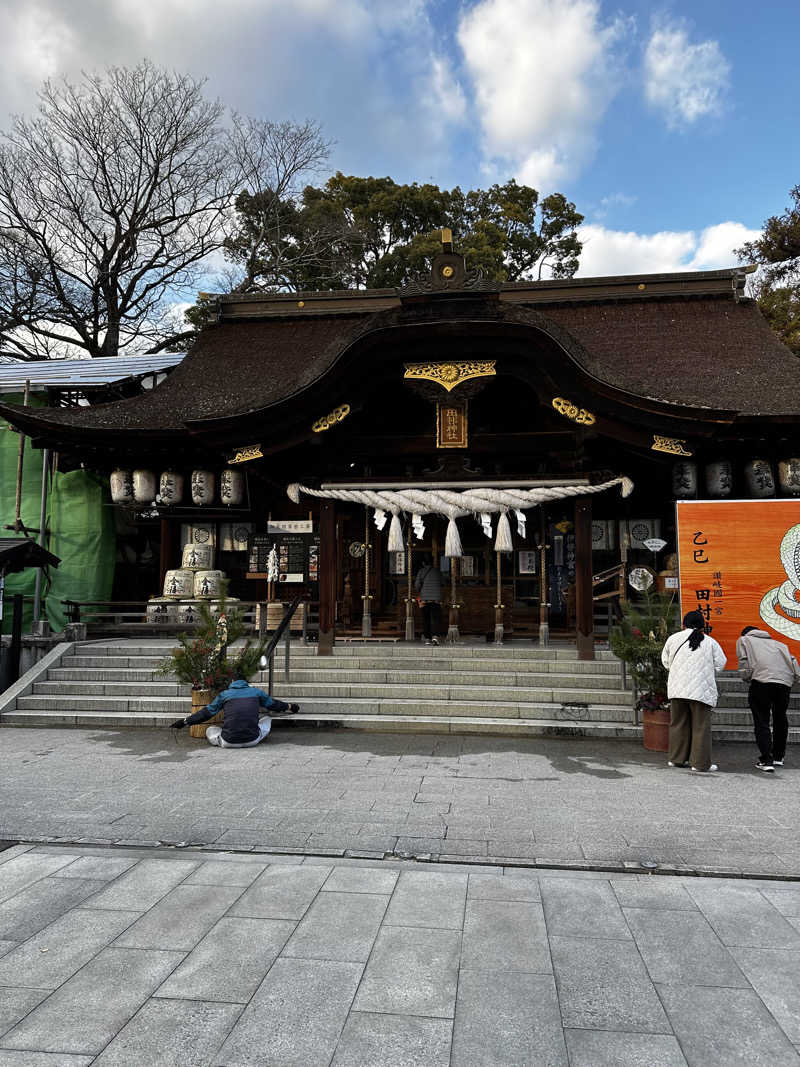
[777,285]
[365,233]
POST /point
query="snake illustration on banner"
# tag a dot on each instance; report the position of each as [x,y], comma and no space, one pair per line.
[784,596]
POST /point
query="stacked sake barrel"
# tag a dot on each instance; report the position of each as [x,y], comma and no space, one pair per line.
[196,579]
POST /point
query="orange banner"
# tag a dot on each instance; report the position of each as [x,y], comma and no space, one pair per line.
[739,564]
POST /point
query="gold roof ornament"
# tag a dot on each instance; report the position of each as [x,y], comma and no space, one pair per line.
[449,375]
[246,453]
[337,415]
[572,411]
[673,446]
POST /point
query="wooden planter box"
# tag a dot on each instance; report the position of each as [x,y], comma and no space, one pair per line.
[201,698]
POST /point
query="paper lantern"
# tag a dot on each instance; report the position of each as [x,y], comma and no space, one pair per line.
[719,478]
[178,583]
[684,479]
[122,487]
[207,583]
[789,476]
[197,557]
[170,487]
[202,487]
[759,478]
[144,487]
[231,487]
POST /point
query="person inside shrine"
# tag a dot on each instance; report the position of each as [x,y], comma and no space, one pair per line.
[428,585]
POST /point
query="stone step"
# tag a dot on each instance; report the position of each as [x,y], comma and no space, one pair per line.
[487,665]
[159,649]
[66,675]
[412,708]
[305,690]
[530,727]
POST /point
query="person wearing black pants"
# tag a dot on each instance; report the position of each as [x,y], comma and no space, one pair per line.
[428,585]
[771,670]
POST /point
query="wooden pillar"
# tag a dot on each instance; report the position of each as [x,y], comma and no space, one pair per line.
[584,603]
[327,576]
[168,551]
[366,615]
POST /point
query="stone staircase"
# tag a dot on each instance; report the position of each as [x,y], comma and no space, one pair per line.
[516,689]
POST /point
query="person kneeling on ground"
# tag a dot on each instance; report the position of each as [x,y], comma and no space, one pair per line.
[771,670]
[243,725]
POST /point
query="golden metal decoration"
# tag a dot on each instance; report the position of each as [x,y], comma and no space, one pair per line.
[449,375]
[448,271]
[672,445]
[451,425]
[243,455]
[573,412]
[337,415]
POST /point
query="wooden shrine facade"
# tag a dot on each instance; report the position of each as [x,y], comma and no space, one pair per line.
[455,383]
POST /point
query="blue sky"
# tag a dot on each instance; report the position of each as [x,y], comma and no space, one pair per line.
[673,127]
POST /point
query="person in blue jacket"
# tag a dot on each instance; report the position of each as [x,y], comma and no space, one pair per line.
[243,725]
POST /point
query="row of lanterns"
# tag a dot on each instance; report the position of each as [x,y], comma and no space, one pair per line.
[758,475]
[141,487]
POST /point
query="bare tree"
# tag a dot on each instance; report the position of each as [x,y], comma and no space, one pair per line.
[275,160]
[113,199]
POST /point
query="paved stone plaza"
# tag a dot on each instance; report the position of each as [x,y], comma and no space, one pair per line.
[577,802]
[123,958]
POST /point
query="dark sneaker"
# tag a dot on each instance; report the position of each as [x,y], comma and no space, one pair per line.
[434,640]
[671,764]
[777,762]
[762,766]
[711,770]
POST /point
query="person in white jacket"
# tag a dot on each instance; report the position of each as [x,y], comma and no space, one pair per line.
[692,659]
[771,670]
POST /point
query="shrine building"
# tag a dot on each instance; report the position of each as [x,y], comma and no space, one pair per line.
[532,437]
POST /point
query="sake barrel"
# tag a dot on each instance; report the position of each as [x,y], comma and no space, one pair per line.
[759,478]
[231,487]
[197,557]
[719,478]
[207,583]
[188,612]
[684,479]
[178,583]
[170,487]
[122,486]
[202,487]
[232,602]
[161,609]
[144,487]
[789,476]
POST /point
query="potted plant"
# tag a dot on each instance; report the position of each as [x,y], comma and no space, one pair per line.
[638,639]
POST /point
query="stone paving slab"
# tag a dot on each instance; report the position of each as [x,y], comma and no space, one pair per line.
[561,802]
[380,963]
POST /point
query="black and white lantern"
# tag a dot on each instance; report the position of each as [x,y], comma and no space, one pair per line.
[144,487]
[719,478]
[122,487]
[170,487]
[759,478]
[231,487]
[789,476]
[202,487]
[684,479]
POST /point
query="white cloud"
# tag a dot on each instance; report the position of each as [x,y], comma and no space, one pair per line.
[543,74]
[683,80]
[610,252]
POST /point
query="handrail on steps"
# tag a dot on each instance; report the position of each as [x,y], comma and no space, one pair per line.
[269,651]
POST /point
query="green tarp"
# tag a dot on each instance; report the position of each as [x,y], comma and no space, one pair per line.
[81,529]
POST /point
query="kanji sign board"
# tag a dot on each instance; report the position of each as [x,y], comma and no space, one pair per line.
[739,563]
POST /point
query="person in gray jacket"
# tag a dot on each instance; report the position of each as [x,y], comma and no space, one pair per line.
[428,585]
[771,670]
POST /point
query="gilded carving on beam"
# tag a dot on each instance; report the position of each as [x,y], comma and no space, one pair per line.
[243,455]
[572,411]
[674,446]
[449,375]
[337,415]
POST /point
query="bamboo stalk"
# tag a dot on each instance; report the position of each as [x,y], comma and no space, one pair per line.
[366,618]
